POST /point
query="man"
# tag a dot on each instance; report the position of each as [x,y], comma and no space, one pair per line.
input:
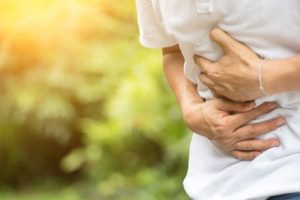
[227,160]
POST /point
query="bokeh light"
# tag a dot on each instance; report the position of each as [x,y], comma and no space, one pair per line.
[85,112]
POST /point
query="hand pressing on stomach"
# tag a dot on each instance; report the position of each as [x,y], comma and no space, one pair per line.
[236,74]
[226,124]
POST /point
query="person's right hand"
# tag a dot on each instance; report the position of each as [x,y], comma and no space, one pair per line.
[226,124]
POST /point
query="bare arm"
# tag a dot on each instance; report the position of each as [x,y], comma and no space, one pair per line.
[282,75]
[185,91]
[235,74]
[214,119]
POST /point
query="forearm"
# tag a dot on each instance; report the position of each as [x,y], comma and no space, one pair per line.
[282,75]
[184,90]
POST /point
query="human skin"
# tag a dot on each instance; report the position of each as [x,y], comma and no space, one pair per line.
[235,75]
[221,120]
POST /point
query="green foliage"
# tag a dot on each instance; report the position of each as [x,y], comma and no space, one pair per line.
[81,100]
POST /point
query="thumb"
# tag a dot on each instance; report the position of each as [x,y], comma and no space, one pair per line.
[223,39]
[236,107]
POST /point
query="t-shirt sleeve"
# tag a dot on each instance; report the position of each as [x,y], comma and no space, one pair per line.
[153,33]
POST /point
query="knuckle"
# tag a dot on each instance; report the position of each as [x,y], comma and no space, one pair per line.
[249,146]
[260,110]
[228,142]
[239,137]
[266,107]
[203,79]
[264,110]
[220,89]
[256,113]
[267,126]
[220,128]
[245,146]
[263,145]
[273,124]
[226,60]
[229,123]
[223,142]
[214,73]
[249,131]
[245,117]
[214,33]
[253,130]
[238,146]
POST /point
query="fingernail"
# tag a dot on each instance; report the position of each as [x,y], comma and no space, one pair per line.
[280,122]
[275,144]
[256,154]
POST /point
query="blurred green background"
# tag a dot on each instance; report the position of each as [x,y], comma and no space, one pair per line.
[85,111]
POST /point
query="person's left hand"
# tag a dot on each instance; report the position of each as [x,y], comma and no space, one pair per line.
[235,75]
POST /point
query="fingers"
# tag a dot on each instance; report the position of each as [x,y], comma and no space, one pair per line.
[244,155]
[206,81]
[203,63]
[256,145]
[244,118]
[239,107]
[223,39]
[255,130]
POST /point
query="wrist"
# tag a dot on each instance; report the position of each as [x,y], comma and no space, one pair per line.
[189,96]
[188,105]
[192,113]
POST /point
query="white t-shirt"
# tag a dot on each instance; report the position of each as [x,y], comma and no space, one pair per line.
[272,29]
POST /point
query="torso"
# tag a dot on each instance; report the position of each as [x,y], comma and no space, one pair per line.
[272,29]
